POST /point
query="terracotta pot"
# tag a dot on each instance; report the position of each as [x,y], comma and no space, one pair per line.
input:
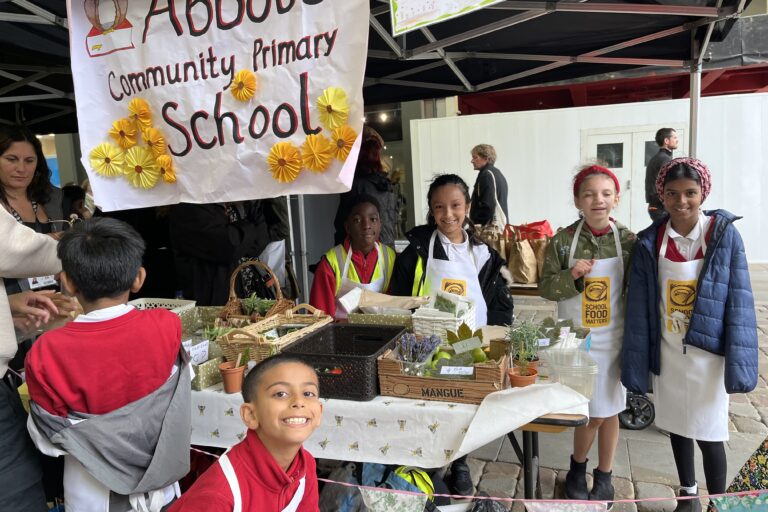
[518,381]
[232,377]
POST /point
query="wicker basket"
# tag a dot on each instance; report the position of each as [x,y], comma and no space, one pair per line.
[252,337]
[426,325]
[233,309]
[176,305]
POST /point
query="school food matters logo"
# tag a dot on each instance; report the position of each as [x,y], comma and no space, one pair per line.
[110,31]
[454,286]
[596,302]
[682,295]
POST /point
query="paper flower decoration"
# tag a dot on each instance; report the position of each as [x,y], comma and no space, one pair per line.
[284,161]
[107,160]
[165,166]
[141,114]
[140,168]
[244,85]
[155,141]
[316,153]
[124,133]
[342,140]
[333,107]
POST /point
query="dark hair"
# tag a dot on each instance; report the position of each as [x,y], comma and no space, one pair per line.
[452,179]
[662,134]
[362,199]
[254,376]
[70,195]
[102,257]
[39,189]
[681,172]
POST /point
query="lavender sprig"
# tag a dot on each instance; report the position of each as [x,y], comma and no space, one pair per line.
[415,350]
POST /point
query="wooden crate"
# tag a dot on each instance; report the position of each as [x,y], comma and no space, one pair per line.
[488,377]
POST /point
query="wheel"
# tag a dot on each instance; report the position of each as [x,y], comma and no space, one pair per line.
[638,414]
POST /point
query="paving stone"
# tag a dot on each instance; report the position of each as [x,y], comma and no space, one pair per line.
[758,398]
[511,470]
[548,479]
[763,412]
[497,484]
[647,490]
[476,469]
[743,410]
[749,426]
[740,398]
[624,507]
[624,488]
[489,451]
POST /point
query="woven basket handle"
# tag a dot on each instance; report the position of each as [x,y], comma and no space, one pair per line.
[238,336]
[253,263]
[307,307]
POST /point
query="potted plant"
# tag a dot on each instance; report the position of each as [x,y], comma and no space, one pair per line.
[233,372]
[524,344]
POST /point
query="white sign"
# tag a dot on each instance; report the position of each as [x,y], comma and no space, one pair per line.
[212,101]
[198,353]
[409,15]
[457,370]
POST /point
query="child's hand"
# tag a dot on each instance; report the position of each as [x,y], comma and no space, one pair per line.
[581,268]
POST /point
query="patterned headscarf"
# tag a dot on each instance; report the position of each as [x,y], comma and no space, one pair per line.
[692,163]
[589,171]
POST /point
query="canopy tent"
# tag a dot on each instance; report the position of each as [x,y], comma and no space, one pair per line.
[513,43]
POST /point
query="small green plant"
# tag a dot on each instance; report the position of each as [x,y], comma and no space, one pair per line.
[245,357]
[255,304]
[524,343]
[213,332]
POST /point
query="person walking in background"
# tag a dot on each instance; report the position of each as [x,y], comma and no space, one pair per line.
[667,140]
[490,188]
[371,180]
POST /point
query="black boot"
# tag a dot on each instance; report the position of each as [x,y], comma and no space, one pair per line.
[602,488]
[688,505]
[576,481]
[461,479]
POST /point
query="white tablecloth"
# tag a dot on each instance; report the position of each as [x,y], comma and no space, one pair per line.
[395,430]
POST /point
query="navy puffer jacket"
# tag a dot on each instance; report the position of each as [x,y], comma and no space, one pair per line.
[723,320]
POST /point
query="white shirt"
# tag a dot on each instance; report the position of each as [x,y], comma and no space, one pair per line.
[688,245]
[480,252]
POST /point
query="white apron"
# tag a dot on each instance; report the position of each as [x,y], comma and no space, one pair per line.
[689,394]
[460,274]
[348,285]
[234,486]
[601,308]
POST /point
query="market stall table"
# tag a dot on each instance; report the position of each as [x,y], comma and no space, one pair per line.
[403,431]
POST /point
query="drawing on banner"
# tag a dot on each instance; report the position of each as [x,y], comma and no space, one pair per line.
[106,38]
[409,15]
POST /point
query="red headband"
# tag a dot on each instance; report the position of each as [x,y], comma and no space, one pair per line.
[588,171]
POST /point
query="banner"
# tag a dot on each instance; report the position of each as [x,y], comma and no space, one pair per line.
[209,101]
[409,15]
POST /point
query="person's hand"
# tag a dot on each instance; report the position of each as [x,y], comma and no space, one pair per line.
[581,268]
[32,308]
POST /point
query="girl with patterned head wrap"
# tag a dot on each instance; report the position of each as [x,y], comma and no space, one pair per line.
[584,271]
[692,323]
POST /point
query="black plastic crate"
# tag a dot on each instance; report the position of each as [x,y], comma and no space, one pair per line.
[344,357]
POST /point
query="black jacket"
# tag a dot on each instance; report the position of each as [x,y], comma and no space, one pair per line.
[483,198]
[651,172]
[495,291]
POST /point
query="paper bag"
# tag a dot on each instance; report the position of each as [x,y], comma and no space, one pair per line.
[522,262]
[493,238]
[539,247]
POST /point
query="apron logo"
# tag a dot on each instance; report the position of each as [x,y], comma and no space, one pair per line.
[680,298]
[454,286]
[596,302]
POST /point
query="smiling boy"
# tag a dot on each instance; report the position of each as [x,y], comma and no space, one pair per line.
[269,470]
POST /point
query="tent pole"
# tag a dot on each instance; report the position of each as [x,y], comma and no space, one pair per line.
[290,230]
[695,102]
[304,252]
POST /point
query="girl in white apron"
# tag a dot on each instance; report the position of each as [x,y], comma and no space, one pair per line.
[360,262]
[704,322]
[445,255]
[584,272]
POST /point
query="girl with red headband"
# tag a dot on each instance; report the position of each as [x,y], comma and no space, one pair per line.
[692,326]
[584,271]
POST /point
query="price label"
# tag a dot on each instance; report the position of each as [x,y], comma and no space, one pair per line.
[197,353]
[457,370]
[466,345]
[544,342]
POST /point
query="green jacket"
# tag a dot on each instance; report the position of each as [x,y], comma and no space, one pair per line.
[556,282]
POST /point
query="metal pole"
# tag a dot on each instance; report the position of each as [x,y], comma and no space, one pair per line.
[290,230]
[693,124]
[304,252]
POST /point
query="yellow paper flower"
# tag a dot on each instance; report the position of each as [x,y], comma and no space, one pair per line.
[141,114]
[165,166]
[124,133]
[285,162]
[140,168]
[244,85]
[155,141]
[333,107]
[107,160]
[342,140]
[316,153]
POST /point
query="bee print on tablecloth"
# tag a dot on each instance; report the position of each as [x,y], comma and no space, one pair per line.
[387,402]
[451,406]
[402,425]
[420,404]
[201,409]
[339,419]
[240,436]
[384,449]
[230,412]
[215,434]
[372,422]
[354,446]
[464,431]
[325,442]
[448,454]
[433,427]
[416,452]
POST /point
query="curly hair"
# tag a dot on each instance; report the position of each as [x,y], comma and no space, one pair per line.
[39,190]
